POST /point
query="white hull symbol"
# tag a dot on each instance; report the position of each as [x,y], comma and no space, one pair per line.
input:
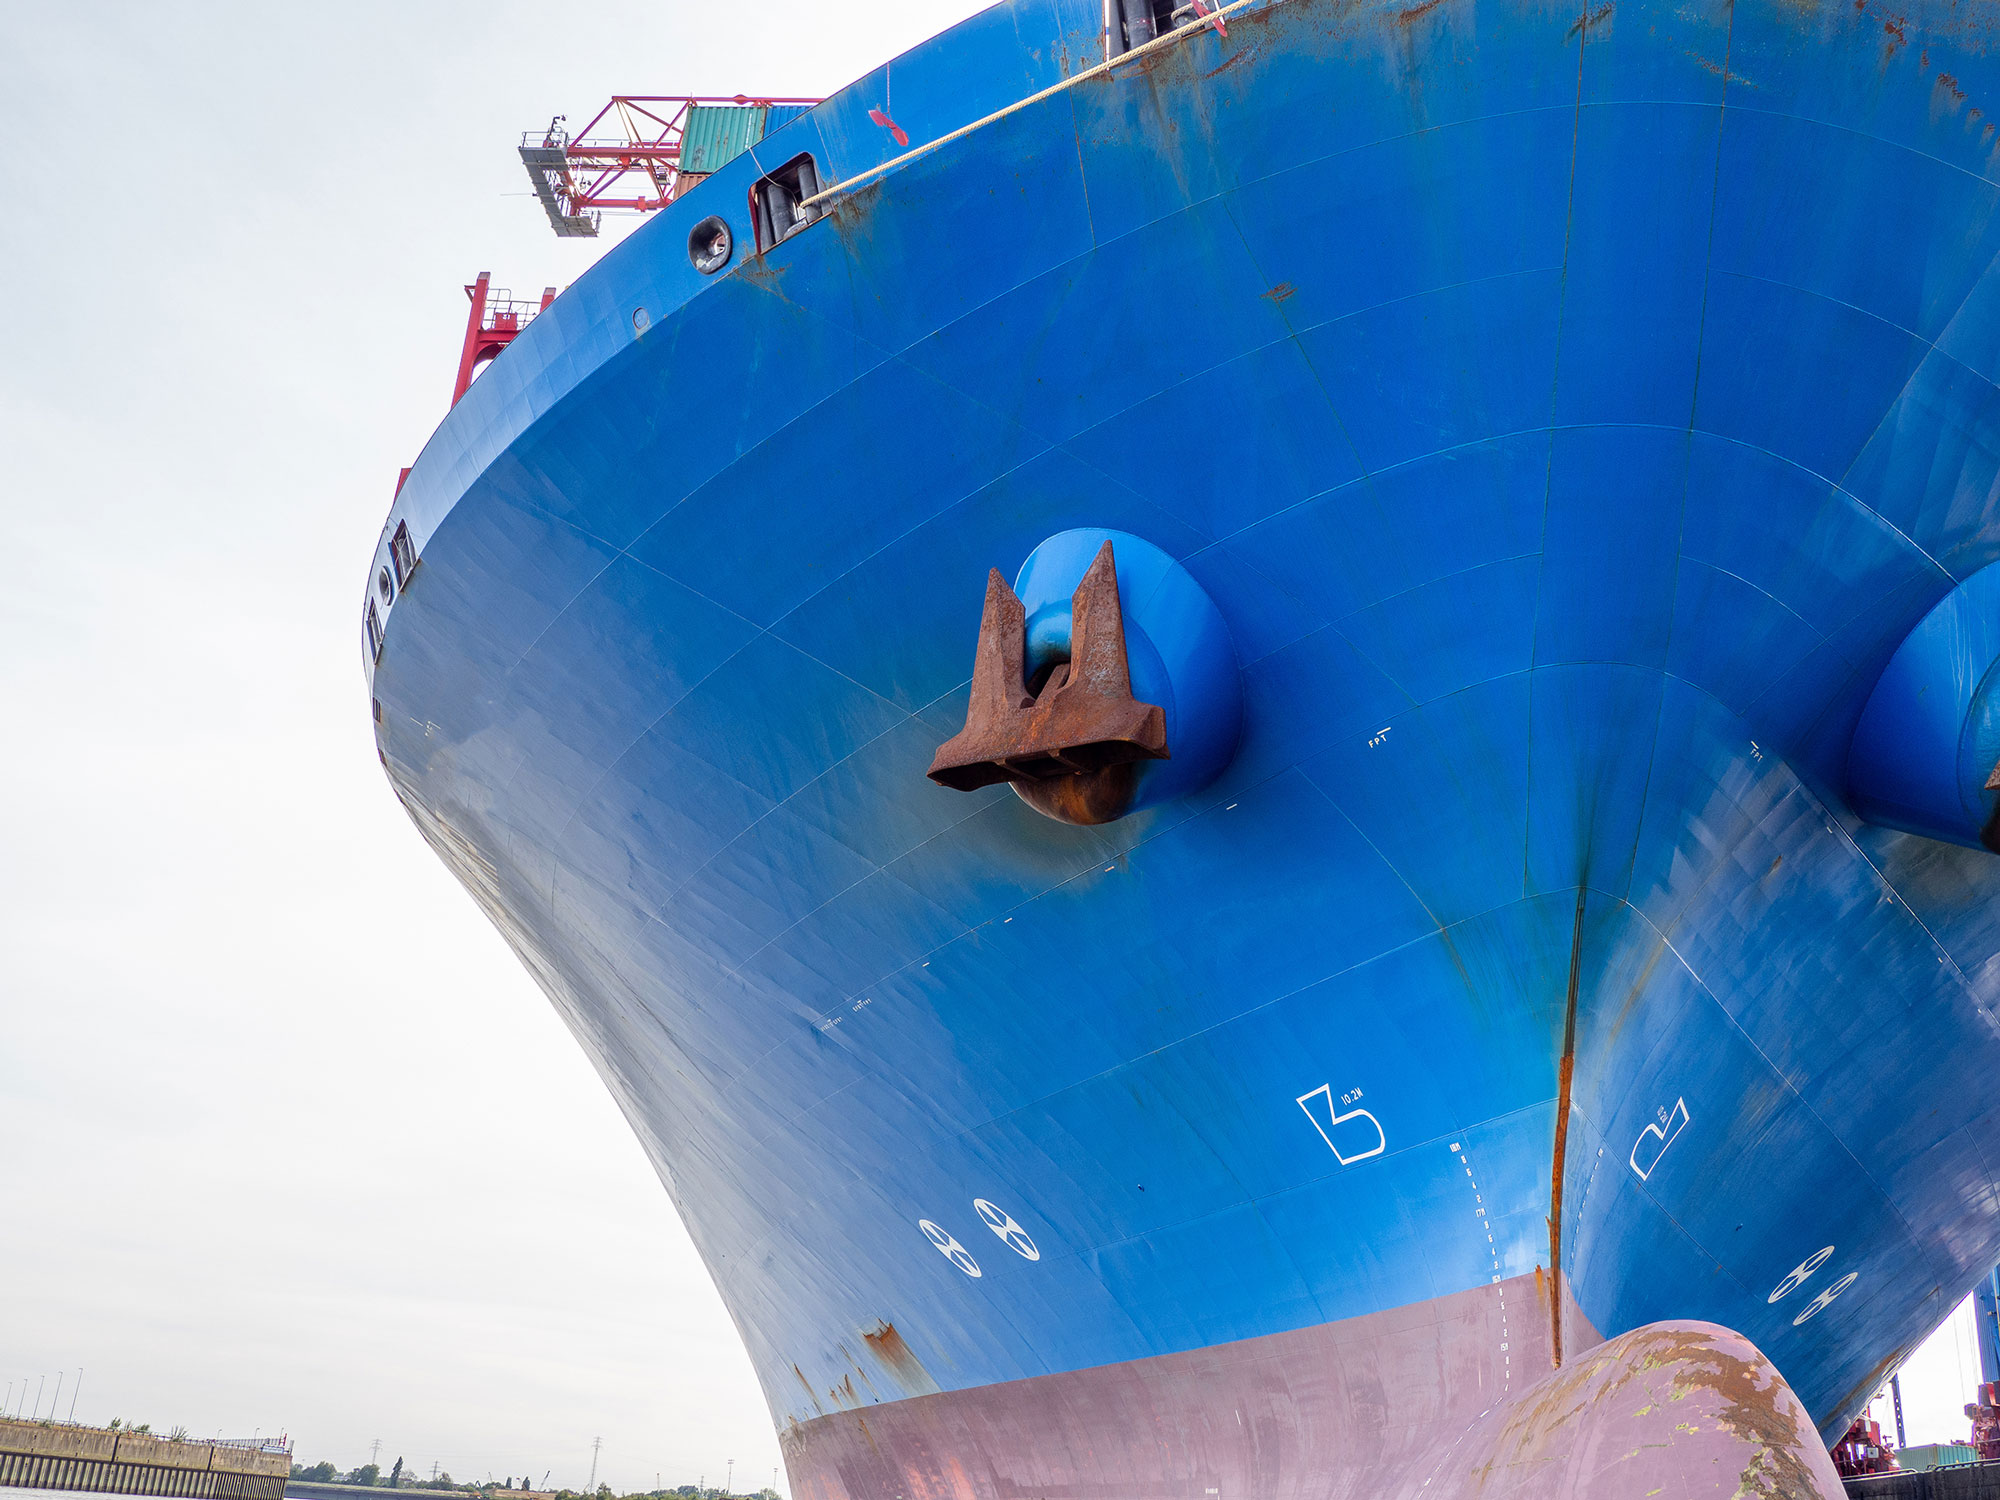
[1011,1234]
[1333,1118]
[950,1248]
[1654,1140]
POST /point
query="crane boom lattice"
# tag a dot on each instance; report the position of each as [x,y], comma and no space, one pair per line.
[641,151]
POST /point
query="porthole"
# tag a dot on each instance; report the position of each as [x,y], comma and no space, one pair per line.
[385,586]
[710,245]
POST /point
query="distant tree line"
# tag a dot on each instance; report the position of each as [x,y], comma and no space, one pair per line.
[371,1476]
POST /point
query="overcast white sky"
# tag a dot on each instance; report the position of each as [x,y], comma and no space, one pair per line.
[287,1138]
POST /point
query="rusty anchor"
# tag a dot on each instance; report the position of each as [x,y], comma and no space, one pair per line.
[1072,748]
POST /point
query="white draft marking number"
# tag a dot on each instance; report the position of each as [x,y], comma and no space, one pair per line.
[949,1248]
[1011,1234]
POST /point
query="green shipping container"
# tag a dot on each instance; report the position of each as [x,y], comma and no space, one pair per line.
[1934,1455]
[719,133]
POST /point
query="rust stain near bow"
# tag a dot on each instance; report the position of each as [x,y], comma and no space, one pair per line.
[1565,1071]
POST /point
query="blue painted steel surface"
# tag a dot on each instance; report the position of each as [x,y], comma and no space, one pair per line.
[1569,413]
[1929,740]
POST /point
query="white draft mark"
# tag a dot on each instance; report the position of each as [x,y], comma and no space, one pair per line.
[1355,1136]
[1654,1139]
[1486,1226]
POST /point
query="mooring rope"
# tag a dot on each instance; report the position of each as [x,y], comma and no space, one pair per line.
[1213,18]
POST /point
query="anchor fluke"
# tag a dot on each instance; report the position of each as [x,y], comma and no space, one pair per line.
[1069,746]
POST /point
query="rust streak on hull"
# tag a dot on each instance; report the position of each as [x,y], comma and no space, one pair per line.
[1565,1070]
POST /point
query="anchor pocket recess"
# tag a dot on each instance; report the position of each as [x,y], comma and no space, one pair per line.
[1133,23]
[1077,689]
[777,202]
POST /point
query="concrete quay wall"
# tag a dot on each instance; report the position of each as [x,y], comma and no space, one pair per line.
[38,1456]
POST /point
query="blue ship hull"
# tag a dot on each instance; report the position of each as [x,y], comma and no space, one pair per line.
[1570,414]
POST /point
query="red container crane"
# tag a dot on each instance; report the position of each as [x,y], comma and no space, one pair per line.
[491,325]
[630,155]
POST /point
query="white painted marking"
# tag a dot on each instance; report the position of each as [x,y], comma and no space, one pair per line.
[1011,1234]
[1818,1303]
[1798,1274]
[950,1248]
[1672,1123]
[1334,1118]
